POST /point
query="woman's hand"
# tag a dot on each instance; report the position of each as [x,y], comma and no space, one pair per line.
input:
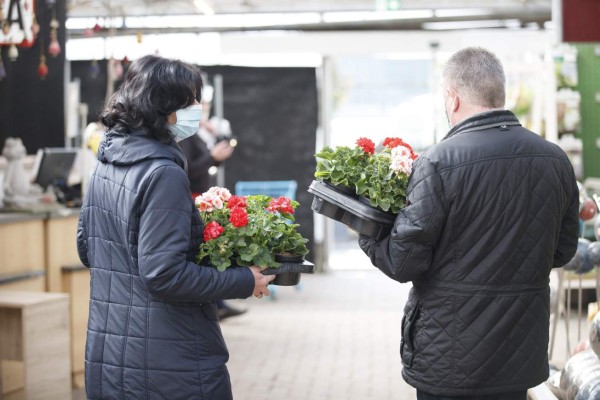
[260,282]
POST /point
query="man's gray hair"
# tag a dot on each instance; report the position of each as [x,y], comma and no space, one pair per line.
[477,74]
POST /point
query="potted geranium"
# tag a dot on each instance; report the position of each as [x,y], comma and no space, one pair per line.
[378,179]
[251,230]
[385,178]
[342,167]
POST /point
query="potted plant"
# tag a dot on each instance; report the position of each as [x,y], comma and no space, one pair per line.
[251,230]
[342,166]
[385,179]
[380,179]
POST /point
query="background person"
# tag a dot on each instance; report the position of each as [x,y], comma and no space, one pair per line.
[153,329]
[490,211]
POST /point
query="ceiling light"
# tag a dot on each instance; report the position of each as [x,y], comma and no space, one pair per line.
[442,26]
[461,12]
[204,7]
[358,16]
[223,20]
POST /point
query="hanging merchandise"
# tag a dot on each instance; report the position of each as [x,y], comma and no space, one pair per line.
[13,53]
[94,69]
[54,47]
[2,70]
[42,68]
[18,21]
[35,27]
[139,37]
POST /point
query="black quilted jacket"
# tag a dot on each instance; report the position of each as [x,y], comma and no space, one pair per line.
[153,331]
[492,209]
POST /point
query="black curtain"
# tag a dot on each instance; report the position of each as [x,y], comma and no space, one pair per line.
[32,108]
[272,111]
[93,78]
[274,114]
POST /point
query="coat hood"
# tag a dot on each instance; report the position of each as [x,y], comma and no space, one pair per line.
[131,148]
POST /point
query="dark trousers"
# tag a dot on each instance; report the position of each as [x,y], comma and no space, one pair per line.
[522,395]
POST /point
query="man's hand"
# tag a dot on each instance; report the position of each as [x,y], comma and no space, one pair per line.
[222,151]
[260,282]
[365,242]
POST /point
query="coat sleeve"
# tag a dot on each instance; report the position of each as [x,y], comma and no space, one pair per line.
[569,228]
[407,252]
[163,242]
[198,158]
[82,248]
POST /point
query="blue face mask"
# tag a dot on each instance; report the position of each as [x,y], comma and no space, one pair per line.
[188,121]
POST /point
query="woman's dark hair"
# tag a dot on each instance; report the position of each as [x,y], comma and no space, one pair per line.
[154,87]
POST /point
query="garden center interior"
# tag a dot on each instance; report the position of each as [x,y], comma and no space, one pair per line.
[289,78]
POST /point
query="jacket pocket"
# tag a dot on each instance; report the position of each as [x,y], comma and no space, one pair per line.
[407,351]
[216,384]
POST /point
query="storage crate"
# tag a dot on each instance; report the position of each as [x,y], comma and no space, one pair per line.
[269,188]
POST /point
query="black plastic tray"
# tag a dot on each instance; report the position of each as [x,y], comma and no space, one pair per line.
[288,274]
[360,217]
[304,267]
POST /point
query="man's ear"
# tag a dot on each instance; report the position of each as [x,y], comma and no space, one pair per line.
[455,104]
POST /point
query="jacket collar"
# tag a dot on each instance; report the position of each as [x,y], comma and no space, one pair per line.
[137,146]
[484,120]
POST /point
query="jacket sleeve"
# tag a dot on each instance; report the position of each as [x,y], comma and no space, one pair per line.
[569,229]
[82,248]
[198,158]
[407,252]
[163,242]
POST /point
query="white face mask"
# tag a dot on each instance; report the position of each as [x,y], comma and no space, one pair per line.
[188,121]
[446,111]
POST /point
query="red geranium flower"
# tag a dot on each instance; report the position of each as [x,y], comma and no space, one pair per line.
[238,217]
[237,201]
[212,231]
[281,204]
[392,142]
[366,144]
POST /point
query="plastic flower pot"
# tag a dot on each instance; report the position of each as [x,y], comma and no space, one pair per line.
[290,269]
[345,190]
[360,217]
[366,201]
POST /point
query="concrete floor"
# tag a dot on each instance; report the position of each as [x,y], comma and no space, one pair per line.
[335,337]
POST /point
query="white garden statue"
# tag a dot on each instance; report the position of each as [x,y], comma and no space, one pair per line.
[18,191]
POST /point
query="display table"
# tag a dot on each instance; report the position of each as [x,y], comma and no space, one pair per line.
[22,252]
[76,282]
[61,247]
[34,346]
[34,248]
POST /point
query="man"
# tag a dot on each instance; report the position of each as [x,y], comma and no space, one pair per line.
[490,211]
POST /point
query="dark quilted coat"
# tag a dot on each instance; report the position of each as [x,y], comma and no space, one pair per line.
[153,331]
[492,209]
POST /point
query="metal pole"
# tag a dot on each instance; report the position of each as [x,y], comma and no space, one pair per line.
[568,315]
[557,310]
[218,104]
[579,306]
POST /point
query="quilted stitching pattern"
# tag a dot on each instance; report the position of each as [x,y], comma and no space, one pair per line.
[153,330]
[491,212]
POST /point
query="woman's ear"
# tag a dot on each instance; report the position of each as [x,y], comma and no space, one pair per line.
[172,118]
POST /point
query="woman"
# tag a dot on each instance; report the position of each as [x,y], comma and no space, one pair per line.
[153,330]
